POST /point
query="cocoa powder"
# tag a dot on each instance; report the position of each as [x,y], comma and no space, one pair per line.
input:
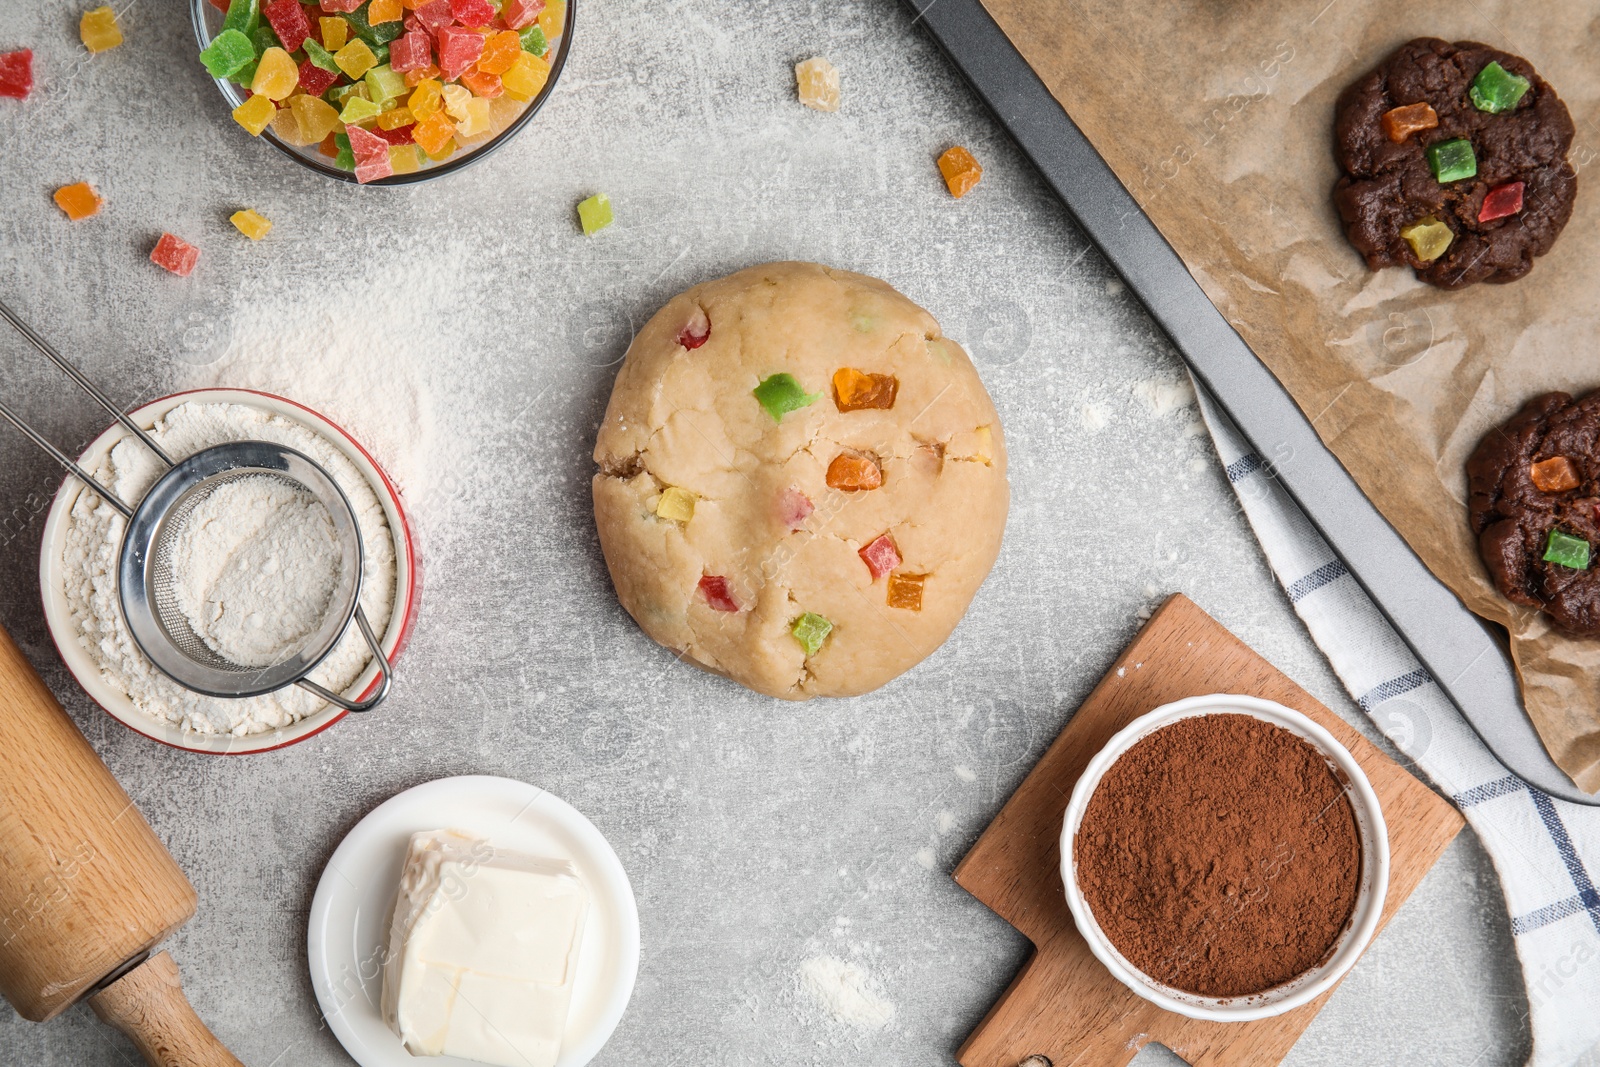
[1220,855]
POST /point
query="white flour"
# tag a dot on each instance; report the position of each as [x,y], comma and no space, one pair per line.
[846,992]
[94,536]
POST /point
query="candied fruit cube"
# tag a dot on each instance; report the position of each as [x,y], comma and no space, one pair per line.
[365,143]
[960,170]
[794,507]
[16,73]
[1501,201]
[781,394]
[243,15]
[405,158]
[394,119]
[276,75]
[287,128]
[315,117]
[1428,238]
[817,83]
[78,200]
[288,20]
[1554,475]
[855,390]
[472,12]
[1496,89]
[811,630]
[411,51]
[476,124]
[459,48]
[435,15]
[314,80]
[384,85]
[1565,550]
[533,40]
[499,52]
[426,99]
[397,135]
[381,11]
[1401,122]
[697,331]
[434,134]
[373,167]
[503,111]
[330,146]
[1452,160]
[486,86]
[374,34]
[905,591]
[520,14]
[251,224]
[983,445]
[415,78]
[553,19]
[854,472]
[355,59]
[455,101]
[594,214]
[255,114]
[335,31]
[358,109]
[228,53]
[175,254]
[881,556]
[526,77]
[98,30]
[340,6]
[676,504]
[715,587]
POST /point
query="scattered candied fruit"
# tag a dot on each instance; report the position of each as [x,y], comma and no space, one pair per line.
[715,587]
[175,254]
[794,507]
[676,504]
[1401,122]
[855,390]
[1554,475]
[811,630]
[905,591]
[78,200]
[250,223]
[697,331]
[854,472]
[99,30]
[961,171]
[1428,238]
[1501,201]
[782,393]
[594,214]
[16,73]
[881,556]
[255,114]
[817,83]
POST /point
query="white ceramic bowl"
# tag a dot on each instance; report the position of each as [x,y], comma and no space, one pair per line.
[1369,899]
[59,616]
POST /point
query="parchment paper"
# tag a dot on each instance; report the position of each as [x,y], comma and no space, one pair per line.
[1218,116]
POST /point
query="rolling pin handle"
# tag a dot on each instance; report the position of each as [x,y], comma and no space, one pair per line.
[148,1005]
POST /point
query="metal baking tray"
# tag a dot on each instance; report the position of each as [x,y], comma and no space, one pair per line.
[1465,655]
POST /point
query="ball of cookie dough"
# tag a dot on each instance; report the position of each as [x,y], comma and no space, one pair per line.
[801,483]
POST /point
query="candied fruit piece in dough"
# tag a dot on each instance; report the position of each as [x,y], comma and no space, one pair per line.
[781,394]
[905,591]
[1453,160]
[811,630]
[98,29]
[1496,89]
[1554,475]
[794,507]
[1401,122]
[960,170]
[817,84]
[881,556]
[853,472]
[715,587]
[855,390]
[697,331]
[78,200]
[676,504]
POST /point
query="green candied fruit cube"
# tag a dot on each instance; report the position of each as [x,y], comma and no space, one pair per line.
[781,394]
[228,54]
[382,33]
[243,15]
[346,159]
[595,213]
[533,40]
[811,630]
[358,109]
[1567,551]
[383,84]
[1452,160]
[1496,89]
[320,57]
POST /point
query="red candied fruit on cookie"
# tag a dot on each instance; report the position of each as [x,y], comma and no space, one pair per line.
[314,80]
[1501,201]
[472,12]
[881,556]
[288,20]
[794,507]
[853,472]
[435,15]
[715,587]
[16,74]
[459,48]
[695,332]
[175,254]
[412,50]
[520,14]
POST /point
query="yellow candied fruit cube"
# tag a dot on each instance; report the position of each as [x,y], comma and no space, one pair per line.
[426,99]
[405,158]
[526,76]
[250,223]
[503,111]
[255,114]
[383,11]
[817,83]
[455,101]
[553,19]
[316,117]
[676,504]
[476,122]
[99,30]
[335,31]
[983,446]
[287,128]
[1428,238]
[355,59]
[276,75]
[395,118]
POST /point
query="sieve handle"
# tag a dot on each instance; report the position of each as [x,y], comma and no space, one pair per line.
[383,674]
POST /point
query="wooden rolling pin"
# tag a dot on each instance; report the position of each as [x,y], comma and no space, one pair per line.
[87,890]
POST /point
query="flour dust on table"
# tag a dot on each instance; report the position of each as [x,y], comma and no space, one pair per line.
[236,556]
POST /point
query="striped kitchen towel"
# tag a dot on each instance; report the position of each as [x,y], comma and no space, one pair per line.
[1547,851]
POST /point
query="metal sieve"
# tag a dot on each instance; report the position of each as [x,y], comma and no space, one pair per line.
[146,576]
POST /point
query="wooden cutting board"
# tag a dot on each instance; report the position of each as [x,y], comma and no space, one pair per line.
[1065,1006]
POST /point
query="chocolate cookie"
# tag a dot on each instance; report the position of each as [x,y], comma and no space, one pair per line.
[1455,163]
[1535,505]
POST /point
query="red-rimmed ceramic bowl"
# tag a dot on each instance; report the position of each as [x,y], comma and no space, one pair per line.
[64,631]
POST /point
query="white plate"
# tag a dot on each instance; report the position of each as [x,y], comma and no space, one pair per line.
[348,941]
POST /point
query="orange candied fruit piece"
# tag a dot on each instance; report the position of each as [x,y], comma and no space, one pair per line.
[854,472]
[383,11]
[1401,122]
[417,77]
[78,200]
[961,171]
[905,590]
[1554,475]
[855,390]
[484,86]
[434,133]
[499,52]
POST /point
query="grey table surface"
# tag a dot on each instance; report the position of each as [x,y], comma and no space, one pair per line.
[758,834]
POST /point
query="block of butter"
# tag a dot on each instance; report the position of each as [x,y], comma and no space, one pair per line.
[483,951]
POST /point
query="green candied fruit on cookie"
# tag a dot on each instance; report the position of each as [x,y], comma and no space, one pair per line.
[781,394]
[320,57]
[382,33]
[243,15]
[1496,89]
[1564,550]
[228,54]
[533,40]
[811,630]
[1452,160]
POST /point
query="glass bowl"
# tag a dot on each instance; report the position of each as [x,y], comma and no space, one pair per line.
[207,20]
